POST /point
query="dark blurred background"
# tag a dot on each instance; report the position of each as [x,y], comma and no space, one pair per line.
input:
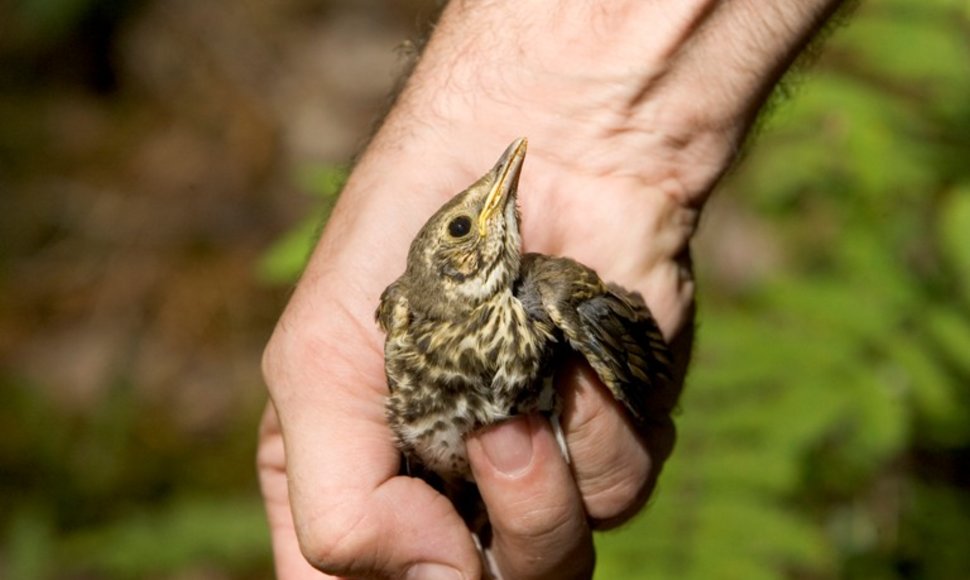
[163,169]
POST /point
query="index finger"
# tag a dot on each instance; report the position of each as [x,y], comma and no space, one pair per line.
[352,515]
[615,463]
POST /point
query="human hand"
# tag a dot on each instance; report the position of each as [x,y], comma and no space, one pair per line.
[616,175]
[541,511]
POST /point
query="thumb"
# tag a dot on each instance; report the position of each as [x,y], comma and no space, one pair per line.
[539,524]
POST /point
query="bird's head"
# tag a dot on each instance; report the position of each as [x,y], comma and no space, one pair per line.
[469,249]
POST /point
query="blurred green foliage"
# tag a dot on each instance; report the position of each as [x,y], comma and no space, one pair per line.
[285,258]
[50,21]
[825,430]
[826,425]
[123,491]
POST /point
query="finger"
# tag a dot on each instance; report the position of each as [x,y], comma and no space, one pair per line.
[615,466]
[271,465]
[539,526]
[352,515]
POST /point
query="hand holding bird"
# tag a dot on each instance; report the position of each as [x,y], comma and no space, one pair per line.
[475,331]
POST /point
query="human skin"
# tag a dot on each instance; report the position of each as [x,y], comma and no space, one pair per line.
[633,111]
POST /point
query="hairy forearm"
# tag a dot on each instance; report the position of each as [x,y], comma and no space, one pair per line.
[670,87]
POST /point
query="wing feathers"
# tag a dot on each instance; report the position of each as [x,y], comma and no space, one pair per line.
[611,327]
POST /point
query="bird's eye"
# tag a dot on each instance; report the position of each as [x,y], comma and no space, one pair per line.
[460,226]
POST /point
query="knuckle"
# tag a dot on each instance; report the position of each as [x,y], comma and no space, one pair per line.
[298,352]
[270,455]
[621,488]
[546,542]
[539,525]
[615,462]
[335,543]
[614,469]
[274,357]
[616,501]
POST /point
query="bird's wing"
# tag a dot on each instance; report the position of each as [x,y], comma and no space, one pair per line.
[393,316]
[611,327]
[392,308]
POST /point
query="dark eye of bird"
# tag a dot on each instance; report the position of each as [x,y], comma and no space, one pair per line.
[460,226]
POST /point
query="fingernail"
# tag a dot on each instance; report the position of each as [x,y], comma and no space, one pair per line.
[508,445]
[432,572]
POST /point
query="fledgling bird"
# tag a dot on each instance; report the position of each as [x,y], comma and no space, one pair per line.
[474,327]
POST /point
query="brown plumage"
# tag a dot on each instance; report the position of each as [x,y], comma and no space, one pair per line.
[474,327]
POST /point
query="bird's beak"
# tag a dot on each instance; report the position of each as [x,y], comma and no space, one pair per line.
[506,181]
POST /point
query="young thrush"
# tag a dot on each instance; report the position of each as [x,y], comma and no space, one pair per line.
[474,327]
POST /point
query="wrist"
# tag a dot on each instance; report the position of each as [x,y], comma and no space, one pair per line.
[585,83]
[664,91]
